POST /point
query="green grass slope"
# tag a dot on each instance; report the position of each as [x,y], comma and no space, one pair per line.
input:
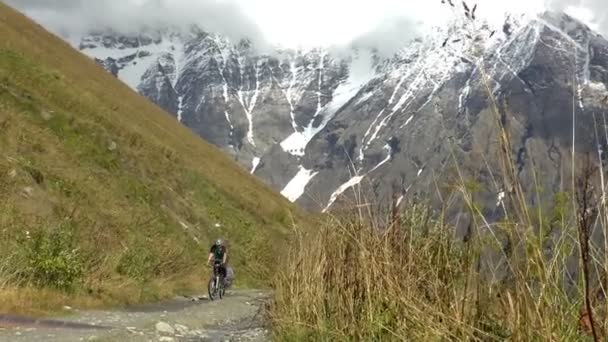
[106,196]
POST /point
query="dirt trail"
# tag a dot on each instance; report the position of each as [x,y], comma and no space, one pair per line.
[235,318]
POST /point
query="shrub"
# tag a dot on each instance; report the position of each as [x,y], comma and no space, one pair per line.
[53,259]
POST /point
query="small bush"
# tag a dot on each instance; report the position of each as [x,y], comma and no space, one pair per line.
[53,259]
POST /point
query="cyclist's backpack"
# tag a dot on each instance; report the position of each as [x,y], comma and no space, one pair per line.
[229,276]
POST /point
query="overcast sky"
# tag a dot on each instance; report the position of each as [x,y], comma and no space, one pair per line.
[289,23]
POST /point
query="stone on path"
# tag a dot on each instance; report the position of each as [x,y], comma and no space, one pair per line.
[164,328]
[181,329]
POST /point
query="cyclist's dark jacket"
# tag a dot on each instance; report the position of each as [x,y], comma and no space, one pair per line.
[218,252]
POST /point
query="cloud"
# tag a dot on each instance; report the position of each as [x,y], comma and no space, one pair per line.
[384,25]
[412,19]
[592,12]
[77,17]
[389,36]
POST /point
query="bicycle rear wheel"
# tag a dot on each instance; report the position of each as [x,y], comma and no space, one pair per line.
[221,289]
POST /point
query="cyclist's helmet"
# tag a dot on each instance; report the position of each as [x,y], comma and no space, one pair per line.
[219,242]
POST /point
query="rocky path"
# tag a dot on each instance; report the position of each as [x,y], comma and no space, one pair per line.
[235,318]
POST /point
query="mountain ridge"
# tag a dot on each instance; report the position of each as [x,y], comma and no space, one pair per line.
[311,143]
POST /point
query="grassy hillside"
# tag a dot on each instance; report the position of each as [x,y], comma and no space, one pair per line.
[105,196]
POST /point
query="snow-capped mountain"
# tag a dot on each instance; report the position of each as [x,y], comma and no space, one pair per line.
[314,124]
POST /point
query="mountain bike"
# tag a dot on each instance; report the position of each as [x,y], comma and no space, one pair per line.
[216,283]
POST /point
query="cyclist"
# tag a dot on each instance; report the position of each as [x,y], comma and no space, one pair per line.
[218,254]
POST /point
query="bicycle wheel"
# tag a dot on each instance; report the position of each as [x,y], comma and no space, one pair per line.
[221,288]
[212,289]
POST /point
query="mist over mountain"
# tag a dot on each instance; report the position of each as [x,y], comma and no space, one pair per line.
[383,23]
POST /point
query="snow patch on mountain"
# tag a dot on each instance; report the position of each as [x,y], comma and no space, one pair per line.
[180,108]
[341,189]
[295,188]
[254,164]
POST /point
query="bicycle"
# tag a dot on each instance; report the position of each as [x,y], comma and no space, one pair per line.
[216,286]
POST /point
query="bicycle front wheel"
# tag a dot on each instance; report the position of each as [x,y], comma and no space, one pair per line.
[212,289]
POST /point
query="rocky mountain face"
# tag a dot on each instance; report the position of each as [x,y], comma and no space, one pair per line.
[325,127]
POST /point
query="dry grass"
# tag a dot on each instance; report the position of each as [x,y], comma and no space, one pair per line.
[414,281]
[40,302]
